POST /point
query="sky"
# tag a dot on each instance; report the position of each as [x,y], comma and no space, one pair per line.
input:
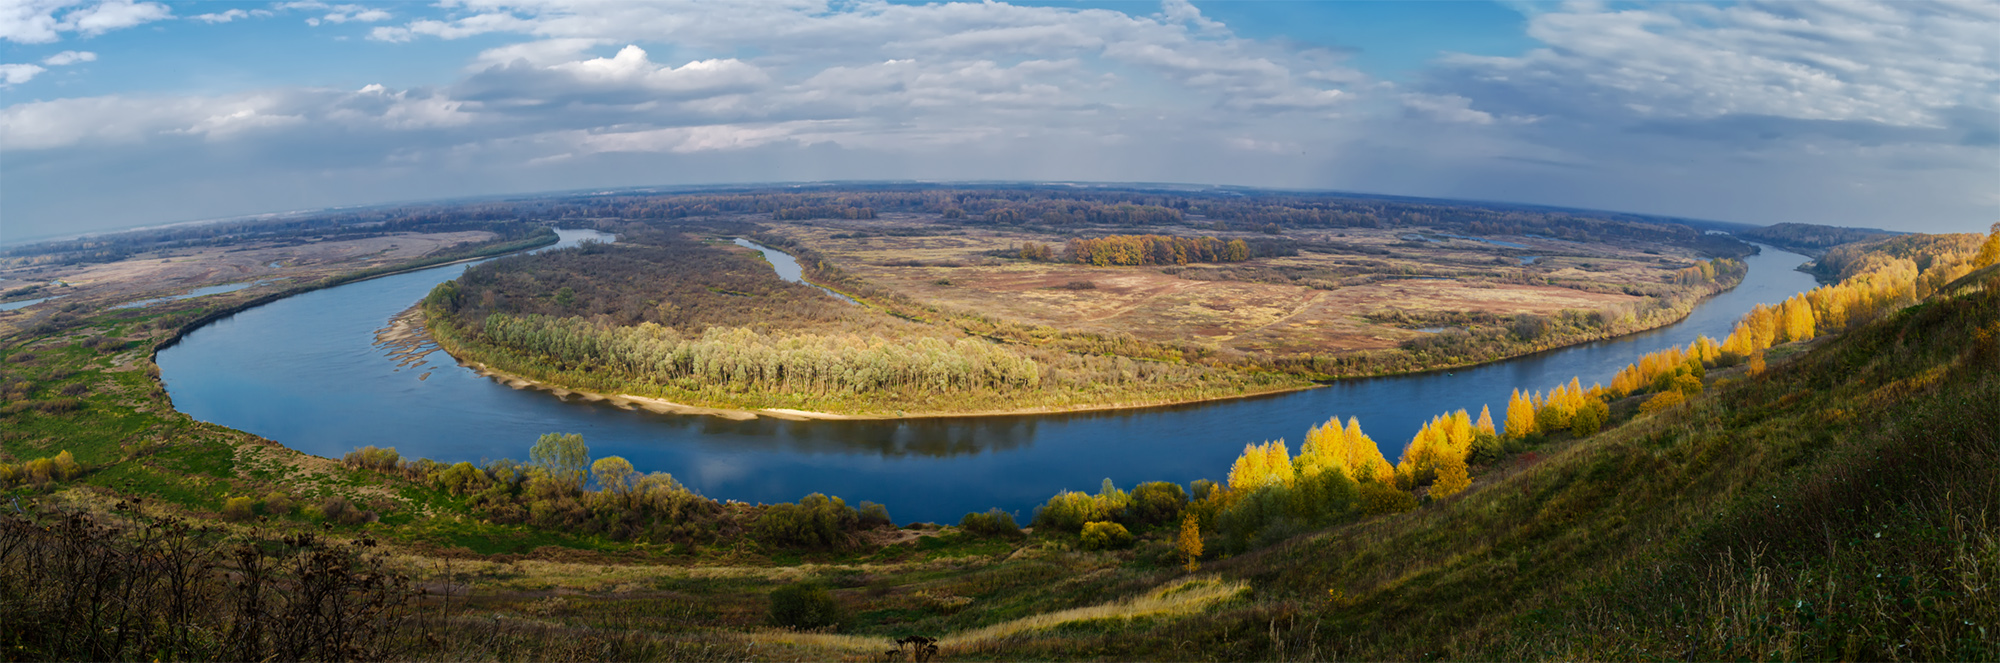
[122,113]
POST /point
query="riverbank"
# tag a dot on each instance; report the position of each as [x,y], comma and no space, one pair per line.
[455,258]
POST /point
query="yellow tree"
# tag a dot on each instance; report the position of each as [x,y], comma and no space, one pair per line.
[1364,456]
[1798,319]
[1485,423]
[1989,253]
[1325,450]
[1520,416]
[1452,477]
[1189,541]
[1460,433]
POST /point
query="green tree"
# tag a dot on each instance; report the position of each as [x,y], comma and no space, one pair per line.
[614,475]
[562,456]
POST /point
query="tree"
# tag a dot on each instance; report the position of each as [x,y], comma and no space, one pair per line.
[1485,423]
[1189,542]
[1520,416]
[1989,253]
[1452,477]
[614,475]
[562,456]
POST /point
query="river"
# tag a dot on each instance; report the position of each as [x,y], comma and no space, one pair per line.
[305,371]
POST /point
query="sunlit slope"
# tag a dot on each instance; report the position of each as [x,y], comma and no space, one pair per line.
[1844,504]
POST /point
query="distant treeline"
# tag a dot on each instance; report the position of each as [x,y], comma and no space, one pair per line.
[499,220]
[1810,236]
[1143,250]
[1069,208]
[1045,207]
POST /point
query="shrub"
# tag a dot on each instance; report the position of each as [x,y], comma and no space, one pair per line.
[1068,511]
[1103,535]
[64,466]
[339,510]
[1590,418]
[806,605]
[872,515]
[239,509]
[1080,285]
[369,457]
[59,405]
[1158,503]
[1378,499]
[817,521]
[991,523]
[278,503]
[1662,401]
[1486,448]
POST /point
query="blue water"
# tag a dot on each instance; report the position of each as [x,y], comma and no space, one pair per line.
[9,306]
[789,269]
[304,371]
[197,292]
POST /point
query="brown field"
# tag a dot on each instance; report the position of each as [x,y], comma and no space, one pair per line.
[1285,316]
[171,272]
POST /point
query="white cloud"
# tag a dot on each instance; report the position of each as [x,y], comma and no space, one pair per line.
[539,53]
[222,17]
[16,74]
[1445,108]
[37,21]
[113,15]
[1896,64]
[66,58]
[1677,108]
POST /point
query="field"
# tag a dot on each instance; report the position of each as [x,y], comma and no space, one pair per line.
[266,267]
[1316,301]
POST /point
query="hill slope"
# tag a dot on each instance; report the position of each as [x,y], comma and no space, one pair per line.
[1841,505]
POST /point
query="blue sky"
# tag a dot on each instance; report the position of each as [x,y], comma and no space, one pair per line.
[117,113]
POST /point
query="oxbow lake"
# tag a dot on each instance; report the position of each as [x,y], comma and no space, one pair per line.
[304,371]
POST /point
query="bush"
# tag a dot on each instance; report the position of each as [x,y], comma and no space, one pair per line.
[817,521]
[1068,511]
[1662,401]
[1103,535]
[991,523]
[1378,499]
[806,605]
[1158,503]
[382,460]
[239,509]
[277,503]
[874,515]
[339,510]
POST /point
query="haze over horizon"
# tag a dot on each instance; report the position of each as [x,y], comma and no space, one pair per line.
[124,113]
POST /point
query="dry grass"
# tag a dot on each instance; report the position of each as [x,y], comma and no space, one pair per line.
[1256,317]
[1179,598]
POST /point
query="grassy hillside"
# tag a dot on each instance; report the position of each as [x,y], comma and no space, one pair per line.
[1840,506]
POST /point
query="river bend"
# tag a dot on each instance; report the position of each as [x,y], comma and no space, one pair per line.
[305,371]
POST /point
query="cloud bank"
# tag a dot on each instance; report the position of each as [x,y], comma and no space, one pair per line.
[1883,114]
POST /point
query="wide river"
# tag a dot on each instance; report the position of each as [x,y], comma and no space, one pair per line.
[305,371]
